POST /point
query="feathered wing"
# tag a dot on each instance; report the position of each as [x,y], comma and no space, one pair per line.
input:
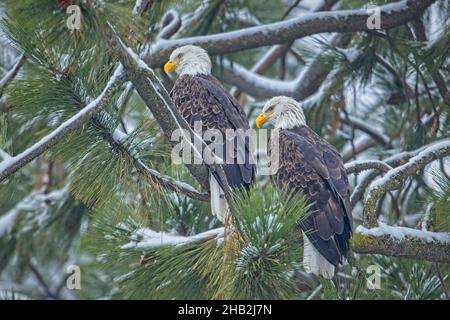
[202,98]
[311,165]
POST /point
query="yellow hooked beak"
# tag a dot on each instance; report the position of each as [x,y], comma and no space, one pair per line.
[170,66]
[262,118]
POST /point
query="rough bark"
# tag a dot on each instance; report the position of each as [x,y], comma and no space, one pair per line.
[411,248]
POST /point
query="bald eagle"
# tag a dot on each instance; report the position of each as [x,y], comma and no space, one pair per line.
[200,97]
[309,164]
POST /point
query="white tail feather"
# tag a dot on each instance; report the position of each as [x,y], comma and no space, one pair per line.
[314,262]
[219,205]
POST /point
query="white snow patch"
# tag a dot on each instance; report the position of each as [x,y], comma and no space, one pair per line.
[401,233]
[7,221]
[147,238]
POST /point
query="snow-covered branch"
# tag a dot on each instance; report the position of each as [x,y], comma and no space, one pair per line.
[170,23]
[306,83]
[392,15]
[11,74]
[37,200]
[11,165]
[403,242]
[395,177]
[169,182]
[147,238]
[116,142]
[276,51]
[140,6]
[362,165]
[393,161]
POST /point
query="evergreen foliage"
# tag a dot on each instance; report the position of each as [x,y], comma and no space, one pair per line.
[87,202]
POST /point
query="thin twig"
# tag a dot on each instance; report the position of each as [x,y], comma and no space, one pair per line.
[41,281]
[11,74]
[442,280]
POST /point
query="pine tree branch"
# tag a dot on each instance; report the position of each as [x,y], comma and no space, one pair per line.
[392,15]
[277,51]
[361,165]
[41,281]
[154,176]
[149,238]
[170,23]
[170,183]
[386,65]
[11,74]
[140,7]
[11,165]
[395,177]
[403,242]
[393,161]
[306,83]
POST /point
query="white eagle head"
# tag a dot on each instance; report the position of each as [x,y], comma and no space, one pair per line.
[283,112]
[190,60]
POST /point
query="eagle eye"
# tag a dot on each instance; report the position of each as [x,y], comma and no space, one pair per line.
[270,109]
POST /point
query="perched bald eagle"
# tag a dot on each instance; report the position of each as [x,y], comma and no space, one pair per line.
[200,97]
[309,164]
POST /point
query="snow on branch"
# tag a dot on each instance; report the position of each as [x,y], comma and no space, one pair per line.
[362,165]
[395,177]
[170,24]
[169,182]
[116,139]
[12,164]
[392,15]
[145,238]
[393,161]
[306,83]
[403,242]
[35,201]
[11,74]
[276,51]
[140,7]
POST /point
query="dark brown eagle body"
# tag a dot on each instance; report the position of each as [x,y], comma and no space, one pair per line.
[202,98]
[309,164]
